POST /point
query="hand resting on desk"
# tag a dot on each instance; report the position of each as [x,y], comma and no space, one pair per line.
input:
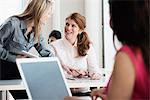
[80,73]
[74,72]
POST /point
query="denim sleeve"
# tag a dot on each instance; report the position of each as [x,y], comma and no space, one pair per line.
[42,50]
[6,30]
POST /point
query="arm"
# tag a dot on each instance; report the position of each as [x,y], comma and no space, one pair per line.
[122,81]
[6,31]
[42,50]
[123,76]
[65,67]
[72,98]
[93,68]
[96,93]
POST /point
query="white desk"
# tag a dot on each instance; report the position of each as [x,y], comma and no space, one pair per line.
[11,85]
[18,84]
[78,83]
[85,82]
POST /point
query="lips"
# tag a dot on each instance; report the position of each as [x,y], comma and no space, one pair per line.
[68,35]
[67,32]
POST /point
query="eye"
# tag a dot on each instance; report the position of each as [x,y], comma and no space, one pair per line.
[67,24]
[73,25]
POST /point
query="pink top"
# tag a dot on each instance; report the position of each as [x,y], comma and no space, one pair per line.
[142,79]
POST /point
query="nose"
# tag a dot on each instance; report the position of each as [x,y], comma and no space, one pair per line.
[68,28]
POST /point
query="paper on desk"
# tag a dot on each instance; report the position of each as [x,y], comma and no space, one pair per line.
[28,54]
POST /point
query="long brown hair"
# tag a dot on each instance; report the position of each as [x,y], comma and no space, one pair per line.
[34,12]
[83,42]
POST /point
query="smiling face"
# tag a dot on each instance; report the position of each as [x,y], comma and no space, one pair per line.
[71,30]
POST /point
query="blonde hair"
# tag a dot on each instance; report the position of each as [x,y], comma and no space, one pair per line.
[34,12]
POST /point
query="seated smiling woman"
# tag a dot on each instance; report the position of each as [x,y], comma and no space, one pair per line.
[75,50]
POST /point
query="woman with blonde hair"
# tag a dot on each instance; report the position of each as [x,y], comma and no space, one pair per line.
[22,32]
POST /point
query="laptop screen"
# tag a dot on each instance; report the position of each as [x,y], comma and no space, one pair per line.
[43,78]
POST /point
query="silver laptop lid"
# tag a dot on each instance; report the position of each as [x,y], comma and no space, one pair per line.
[43,78]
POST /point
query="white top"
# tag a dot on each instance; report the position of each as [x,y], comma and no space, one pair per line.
[67,53]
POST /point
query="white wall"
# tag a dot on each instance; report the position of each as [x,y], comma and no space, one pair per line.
[109,51]
[9,8]
[69,6]
[93,14]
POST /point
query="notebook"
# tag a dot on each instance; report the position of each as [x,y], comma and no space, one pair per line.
[28,54]
[43,78]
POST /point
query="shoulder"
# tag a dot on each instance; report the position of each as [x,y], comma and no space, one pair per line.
[11,21]
[129,51]
[15,20]
[58,46]
[124,63]
[124,66]
[123,76]
[126,49]
[57,42]
[123,55]
[91,48]
[8,23]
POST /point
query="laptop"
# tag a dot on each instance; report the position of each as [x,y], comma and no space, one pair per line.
[43,78]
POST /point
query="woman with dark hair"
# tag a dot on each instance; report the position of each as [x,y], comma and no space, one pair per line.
[54,35]
[130,23]
[130,79]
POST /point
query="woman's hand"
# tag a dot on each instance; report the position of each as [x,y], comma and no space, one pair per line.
[21,56]
[72,98]
[74,72]
[79,72]
[95,76]
[98,93]
[67,69]
[95,94]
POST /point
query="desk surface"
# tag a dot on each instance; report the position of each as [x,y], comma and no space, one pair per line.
[77,83]
[85,82]
[11,84]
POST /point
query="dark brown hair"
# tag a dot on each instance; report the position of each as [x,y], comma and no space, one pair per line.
[130,23]
[83,42]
